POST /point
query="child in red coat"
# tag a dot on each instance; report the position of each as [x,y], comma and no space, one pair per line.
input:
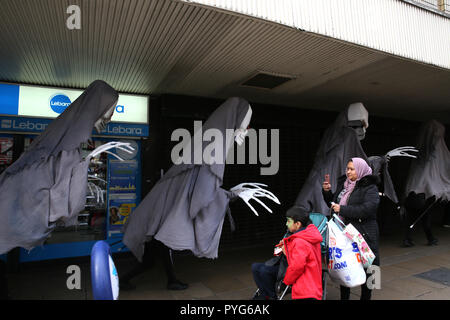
[302,250]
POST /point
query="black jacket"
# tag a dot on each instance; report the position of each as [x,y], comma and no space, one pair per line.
[361,209]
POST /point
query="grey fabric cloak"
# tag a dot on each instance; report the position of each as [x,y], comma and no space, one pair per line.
[47,184]
[339,144]
[430,172]
[186,208]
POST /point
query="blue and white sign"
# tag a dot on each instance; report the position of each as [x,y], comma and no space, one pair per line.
[32,125]
[44,102]
[59,102]
[9,99]
[38,125]
[30,109]
[124,129]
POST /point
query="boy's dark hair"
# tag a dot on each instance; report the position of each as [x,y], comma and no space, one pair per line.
[299,214]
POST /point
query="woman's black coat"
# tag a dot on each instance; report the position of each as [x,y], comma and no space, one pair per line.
[361,209]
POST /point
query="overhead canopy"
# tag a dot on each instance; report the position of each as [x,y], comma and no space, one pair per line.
[157,47]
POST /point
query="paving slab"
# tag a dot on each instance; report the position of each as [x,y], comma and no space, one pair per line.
[439,276]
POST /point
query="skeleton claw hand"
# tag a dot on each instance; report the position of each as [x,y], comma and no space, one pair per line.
[125,146]
[96,193]
[247,191]
[401,152]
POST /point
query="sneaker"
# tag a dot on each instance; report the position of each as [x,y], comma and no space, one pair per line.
[263,297]
[433,242]
[177,285]
[446,225]
[259,297]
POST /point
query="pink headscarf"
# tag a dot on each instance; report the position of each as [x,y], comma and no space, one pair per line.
[362,169]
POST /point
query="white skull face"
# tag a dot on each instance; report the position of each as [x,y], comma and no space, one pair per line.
[239,134]
[358,119]
[101,123]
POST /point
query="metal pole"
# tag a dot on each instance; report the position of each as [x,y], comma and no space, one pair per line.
[423,213]
[284,292]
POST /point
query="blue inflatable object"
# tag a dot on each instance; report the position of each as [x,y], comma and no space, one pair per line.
[105,280]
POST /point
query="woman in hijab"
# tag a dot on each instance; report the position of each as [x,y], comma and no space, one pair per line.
[340,142]
[356,201]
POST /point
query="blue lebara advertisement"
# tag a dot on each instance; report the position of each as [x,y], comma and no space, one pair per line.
[123,176]
[123,190]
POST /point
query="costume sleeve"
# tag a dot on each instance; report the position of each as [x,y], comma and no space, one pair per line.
[296,257]
[380,168]
[204,189]
[68,193]
[365,209]
[327,197]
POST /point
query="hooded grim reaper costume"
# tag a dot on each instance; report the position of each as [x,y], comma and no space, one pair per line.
[340,143]
[47,184]
[186,208]
[428,180]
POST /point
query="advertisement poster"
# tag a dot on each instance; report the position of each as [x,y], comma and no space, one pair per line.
[6,152]
[123,176]
[122,191]
[120,207]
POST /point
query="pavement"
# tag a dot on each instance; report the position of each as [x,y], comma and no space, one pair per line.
[404,274]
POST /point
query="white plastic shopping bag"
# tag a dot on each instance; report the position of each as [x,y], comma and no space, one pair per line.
[367,256]
[344,266]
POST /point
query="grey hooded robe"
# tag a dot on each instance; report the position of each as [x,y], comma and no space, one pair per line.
[339,144]
[430,172]
[186,208]
[47,184]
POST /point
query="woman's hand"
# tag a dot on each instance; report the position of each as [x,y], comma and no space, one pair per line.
[336,208]
[326,186]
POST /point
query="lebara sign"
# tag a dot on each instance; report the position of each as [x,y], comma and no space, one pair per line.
[32,108]
[38,125]
[34,101]
[59,102]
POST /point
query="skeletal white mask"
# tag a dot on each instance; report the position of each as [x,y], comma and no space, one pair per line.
[101,123]
[358,119]
[239,134]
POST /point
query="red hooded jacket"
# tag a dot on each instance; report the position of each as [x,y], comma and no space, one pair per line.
[304,258]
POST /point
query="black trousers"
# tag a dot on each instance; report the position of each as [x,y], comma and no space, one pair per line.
[153,249]
[3,281]
[415,205]
[366,293]
[265,278]
[446,218]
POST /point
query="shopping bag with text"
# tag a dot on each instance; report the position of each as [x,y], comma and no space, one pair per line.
[367,256]
[344,266]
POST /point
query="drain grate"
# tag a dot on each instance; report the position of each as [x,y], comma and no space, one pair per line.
[440,275]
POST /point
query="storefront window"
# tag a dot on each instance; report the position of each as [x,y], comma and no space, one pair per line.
[6,152]
[92,220]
